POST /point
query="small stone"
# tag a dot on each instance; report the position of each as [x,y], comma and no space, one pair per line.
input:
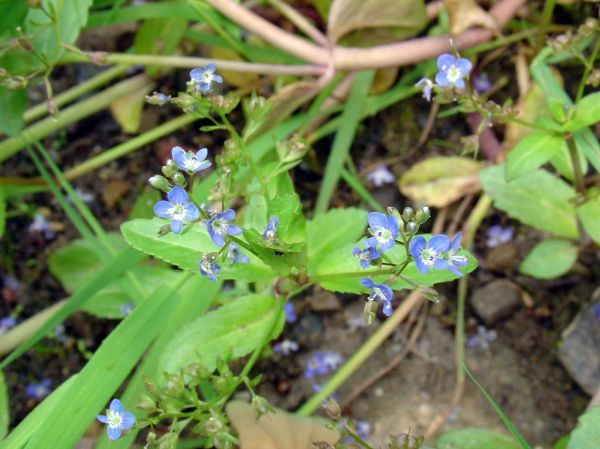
[578,351]
[324,301]
[495,301]
[502,258]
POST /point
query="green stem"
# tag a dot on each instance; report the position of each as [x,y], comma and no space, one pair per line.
[72,114]
[543,29]
[587,70]
[577,171]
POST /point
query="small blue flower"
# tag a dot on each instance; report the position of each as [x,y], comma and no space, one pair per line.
[126,308]
[189,161]
[381,175]
[290,314]
[202,79]
[426,85]
[38,391]
[365,255]
[482,339]
[321,363]
[285,347]
[482,84]
[234,255]
[178,208]
[452,70]
[384,230]
[208,267]
[158,99]
[270,233]
[380,292]
[218,226]
[430,254]
[116,419]
[455,261]
[497,235]
[7,323]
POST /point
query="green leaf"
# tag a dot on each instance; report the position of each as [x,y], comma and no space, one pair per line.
[339,271]
[562,161]
[586,435]
[540,199]
[185,249]
[12,108]
[430,181]
[235,329]
[142,207]
[103,374]
[532,152]
[3,407]
[589,214]
[374,22]
[475,439]
[11,16]
[2,212]
[159,37]
[327,232]
[549,259]
[587,113]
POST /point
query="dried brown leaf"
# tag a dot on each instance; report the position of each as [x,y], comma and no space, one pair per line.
[464,14]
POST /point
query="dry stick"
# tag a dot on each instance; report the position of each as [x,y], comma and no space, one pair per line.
[301,22]
[460,211]
[342,58]
[392,364]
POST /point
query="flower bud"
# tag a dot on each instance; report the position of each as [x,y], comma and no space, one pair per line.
[146,404]
[213,425]
[370,312]
[178,179]
[412,228]
[260,406]
[332,409]
[158,99]
[292,150]
[408,213]
[160,183]
[422,215]
[174,384]
[170,168]
[405,441]
[150,385]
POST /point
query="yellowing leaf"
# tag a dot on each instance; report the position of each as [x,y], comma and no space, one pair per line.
[465,14]
[127,110]
[277,430]
[439,181]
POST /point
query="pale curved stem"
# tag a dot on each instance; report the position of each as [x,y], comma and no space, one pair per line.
[301,22]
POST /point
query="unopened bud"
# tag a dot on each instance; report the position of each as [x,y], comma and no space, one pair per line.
[213,425]
[160,183]
[260,406]
[146,404]
[332,409]
[594,78]
[174,384]
[292,150]
[408,213]
[170,168]
[412,228]
[150,385]
[422,215]
[158,99]
[34,4]
[178,179]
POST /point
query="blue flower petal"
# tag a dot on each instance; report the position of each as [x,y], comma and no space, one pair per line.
[210,68]
[128,420]
[387,308]
[191,212]
[441,264]
[423,269]
[234,230]
[367,283]
[455,243]
[217,79]
[455,270]
[464,65]
[161,209]
[102,418]
[372,242]
[178,196]
[204,88]
[179,156]
[227,215]
[201,154]
[459,83]
[196,74]
[441,79]
[113,433]
[387,291]
[445,60]
[356,251]
[377,220]
[203,166]
[416,246]
[392,225]
[217,238]
[116,406]
[439,243]
[176,226]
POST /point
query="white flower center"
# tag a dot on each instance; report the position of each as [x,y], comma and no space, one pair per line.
[383,235]
[428,256]
[114,419]
[453,74]
[177,212]
[191,164]
[458,259]
[220,226]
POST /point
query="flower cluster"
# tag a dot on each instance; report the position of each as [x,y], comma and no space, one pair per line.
[201,80]
[322,363]
[452,72]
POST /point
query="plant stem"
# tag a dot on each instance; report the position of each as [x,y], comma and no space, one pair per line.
[72,114]
[577,171]
[543,29]
[587,70]
[192,62]
[363,353]
[301,22]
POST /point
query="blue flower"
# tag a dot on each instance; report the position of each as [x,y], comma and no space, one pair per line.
[234,255]
[189,161]
[116,419]
[497,235]
[38,391]
[430,254]
[178,208]
[452,70]
[202,79]
[384,230]
[321,363]
[208,267]
[7,323]
[380,292]
[454,261]
[218,226]
[285,347]
[290,314]
[426,85]
[365,255]
[270,233]
[126,308]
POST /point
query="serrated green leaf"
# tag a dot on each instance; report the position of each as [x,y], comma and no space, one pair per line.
[532,152]
[237,329]
[539,199]
[587,113]
[587,434]
[185,249]
[549,259]
[475,439]
[589,214]
[288,208]
[327,232]
[339,271]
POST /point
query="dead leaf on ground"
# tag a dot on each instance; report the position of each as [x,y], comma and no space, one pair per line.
[278,430]
[127,110]
[465,14]
[439,181]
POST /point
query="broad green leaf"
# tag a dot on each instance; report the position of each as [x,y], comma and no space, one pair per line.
[587,113]
[11,16]
[539,199]
[12,108]
[587,434]
[439,181]
[100,378]
[2,212]
[291,219]
[235,329]
[185,249]
[562,161]
[4,416]
[327,232]
[589,214]
[339,271]
[532,152]
[73,264]
[373,22]
[549,259]
[142,207]
[475,439]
